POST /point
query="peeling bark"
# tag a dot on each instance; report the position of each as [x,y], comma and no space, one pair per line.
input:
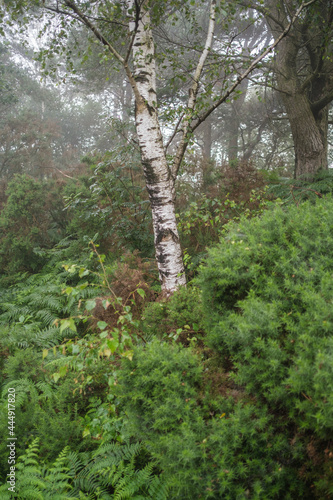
[155,167]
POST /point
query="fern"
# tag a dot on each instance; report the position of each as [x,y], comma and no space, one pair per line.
[57,477]
[29,483]
[29,309]
[25,390]
[115,466]
[28,391]
[36,483]
[111,474]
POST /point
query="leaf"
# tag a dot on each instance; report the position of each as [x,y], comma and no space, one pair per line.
[83,272]
[105,304]
[102,325]
[56,377]
[112,345]
[86,432]
[45,353]
[90,304]
[128,355]
[75,349]
[141,292]
[62,371]
[67,323]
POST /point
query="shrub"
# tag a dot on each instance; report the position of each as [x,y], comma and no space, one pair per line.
[112,203]
[267,297]
[31,217]
[206,449]
[183,311]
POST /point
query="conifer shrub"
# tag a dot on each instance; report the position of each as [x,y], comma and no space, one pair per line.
[182,313]
[207,448]
[267,297]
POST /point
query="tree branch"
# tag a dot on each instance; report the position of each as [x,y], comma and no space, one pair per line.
[319,105]
[107,44]
[193,92]
[174,132]
[93,28]
[57,10]
[252,66]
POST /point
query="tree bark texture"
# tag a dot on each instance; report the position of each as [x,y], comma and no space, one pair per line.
[156,171]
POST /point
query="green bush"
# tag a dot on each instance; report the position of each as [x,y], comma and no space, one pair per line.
[268,292]
[42,408]
[113,472]
[183,309]
[111,202]
[207,449]
[32,217]
[267,297]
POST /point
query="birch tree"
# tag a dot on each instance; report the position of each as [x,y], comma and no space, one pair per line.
[134,51]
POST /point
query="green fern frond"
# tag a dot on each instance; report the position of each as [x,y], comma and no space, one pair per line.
[157,489]
[25,390]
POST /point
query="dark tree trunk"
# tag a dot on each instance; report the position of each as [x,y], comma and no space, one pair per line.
[309,135]
[304,74]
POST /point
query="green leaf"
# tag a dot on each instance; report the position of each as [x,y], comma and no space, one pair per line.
[45,353]
[90,305]
[112,344]
[83,272]
[75,349]
[86,432]
[67,323]
[128,355]
[141,292]
[56,377]
[102,325]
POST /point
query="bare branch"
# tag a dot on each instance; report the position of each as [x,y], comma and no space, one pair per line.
[174,132]
[252,66]
[193,92]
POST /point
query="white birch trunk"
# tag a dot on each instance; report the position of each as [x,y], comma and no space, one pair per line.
[156,170]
